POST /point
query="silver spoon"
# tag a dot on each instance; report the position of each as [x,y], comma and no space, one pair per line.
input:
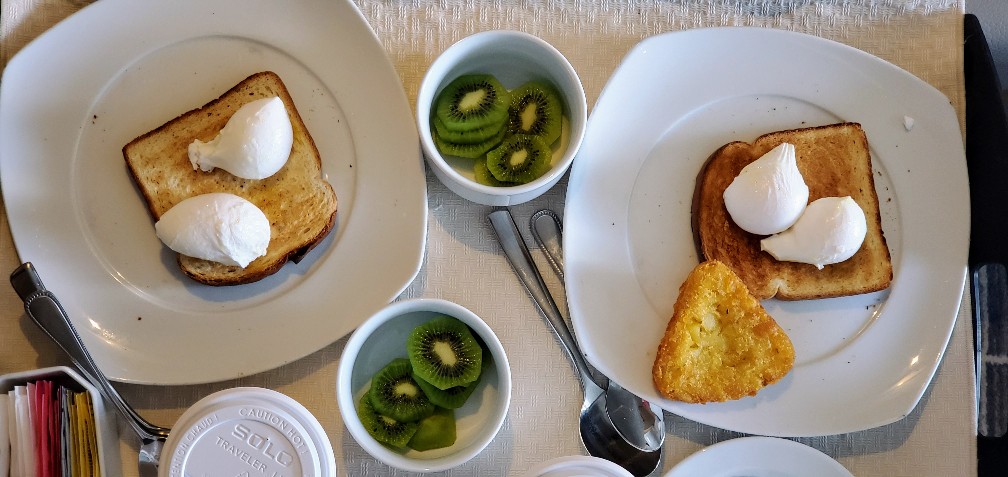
[612,426]
[43,308]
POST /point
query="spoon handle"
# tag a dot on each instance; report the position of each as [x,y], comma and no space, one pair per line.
[546,230]
[43,308]
[518,255]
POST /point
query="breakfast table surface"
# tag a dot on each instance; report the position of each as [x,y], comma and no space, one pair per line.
[464,264]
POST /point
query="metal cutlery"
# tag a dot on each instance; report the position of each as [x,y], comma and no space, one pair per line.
[45,310]
[625,409]
[614,424]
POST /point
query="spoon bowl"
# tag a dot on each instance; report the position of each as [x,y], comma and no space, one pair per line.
[602,438]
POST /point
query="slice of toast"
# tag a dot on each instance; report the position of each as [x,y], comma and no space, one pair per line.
[720,344]
[299,203]
[835,162]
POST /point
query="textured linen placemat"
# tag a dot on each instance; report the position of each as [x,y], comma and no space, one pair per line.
[464,264]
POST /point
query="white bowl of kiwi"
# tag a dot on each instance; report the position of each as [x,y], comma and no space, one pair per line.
[423,385]
[501,115]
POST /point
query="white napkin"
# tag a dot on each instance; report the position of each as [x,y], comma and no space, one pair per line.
[23,439]
[15,460]
[4,436]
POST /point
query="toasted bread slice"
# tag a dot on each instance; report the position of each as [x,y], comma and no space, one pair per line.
[720,344]
[835,162]
[299,203]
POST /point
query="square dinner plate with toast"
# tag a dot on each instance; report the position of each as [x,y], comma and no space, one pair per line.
[71,100]
[861,361]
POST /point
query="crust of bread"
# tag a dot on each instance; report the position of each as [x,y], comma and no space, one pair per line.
[299,203]
[835,161]
[720,343]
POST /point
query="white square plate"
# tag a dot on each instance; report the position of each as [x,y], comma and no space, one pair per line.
[74,97]
[861,361]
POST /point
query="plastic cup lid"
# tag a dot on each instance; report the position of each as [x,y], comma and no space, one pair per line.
[247,431]
[578,466]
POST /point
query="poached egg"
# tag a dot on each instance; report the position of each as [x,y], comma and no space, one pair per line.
[830,231]
[769,194]
[218,226]
[254,144]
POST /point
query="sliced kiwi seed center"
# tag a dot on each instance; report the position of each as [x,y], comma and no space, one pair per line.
[472,99]
[518,157]
[445,353]
[387,420]
[406,388]
[528,116]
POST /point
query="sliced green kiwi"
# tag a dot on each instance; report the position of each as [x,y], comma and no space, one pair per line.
[383,428]
[521,158]
[435,431]
[536,109]
[470,151]
[395,394]
[456,397]
[466,137]
[472,102]
[482,174]
[444,353]
[451,398]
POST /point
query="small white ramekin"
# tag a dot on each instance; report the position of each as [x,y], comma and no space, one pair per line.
[513,57]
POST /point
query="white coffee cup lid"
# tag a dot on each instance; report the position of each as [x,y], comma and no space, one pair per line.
[578,466]
[247,431]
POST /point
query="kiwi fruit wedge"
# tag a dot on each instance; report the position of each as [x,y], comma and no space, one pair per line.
[434,431]
[536,109]
[384,429]
[456,397]
[444,353]
[451,398]
[395,394]
[471,151]
[471,102]
[465,137]
[521,158]
[483,176]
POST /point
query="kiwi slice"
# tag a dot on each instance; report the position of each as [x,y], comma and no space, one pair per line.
[383,428]
[470,151]
[466,137]
[395,394]
[444,353]
[435,431]
[536,109]
[456,397]
[482,174]
[471,102]
[451,398]
[521,158]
